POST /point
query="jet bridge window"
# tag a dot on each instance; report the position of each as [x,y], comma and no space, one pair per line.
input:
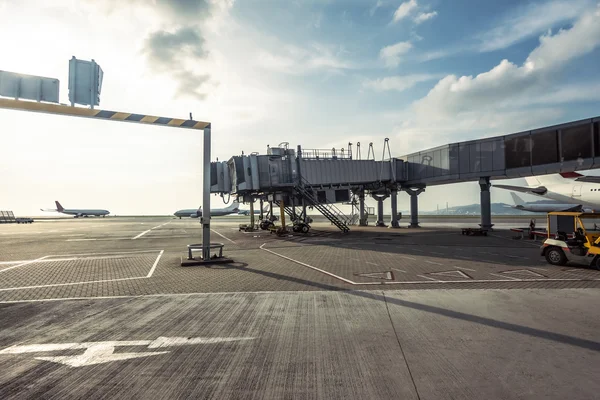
[545,148]
[597,139]
[239,170]
[517,152]
[576,142]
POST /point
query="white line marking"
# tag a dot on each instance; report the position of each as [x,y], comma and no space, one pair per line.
[435,252]
[223,236]
[407,257]
[105,254]
[155,264]
[396,269]
[143,233]
[306,265]
[141,296]
[370,263]
[422,251]
[466,269]
[81,240]
[511,256]
[509,277]
[70,283]
[427,277]
[432,262]
[22,264]
[12,262]
[44,259]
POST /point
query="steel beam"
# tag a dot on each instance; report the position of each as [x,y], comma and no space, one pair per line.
[361,204]
[414,206]
[394,222]
[486,204]
[206,196]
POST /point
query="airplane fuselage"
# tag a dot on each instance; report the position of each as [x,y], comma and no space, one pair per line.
[586,194]
[85,213]
[195,213]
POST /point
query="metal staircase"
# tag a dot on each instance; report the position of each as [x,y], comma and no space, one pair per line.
[330,211]
[288,210]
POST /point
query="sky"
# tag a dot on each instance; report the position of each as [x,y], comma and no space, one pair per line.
[314,73]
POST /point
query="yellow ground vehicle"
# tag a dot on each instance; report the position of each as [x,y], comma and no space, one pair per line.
[574,237]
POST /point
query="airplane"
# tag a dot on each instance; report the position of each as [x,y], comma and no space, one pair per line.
[256,212]
[216,212]
[566,188]
[520,204]
[78,212]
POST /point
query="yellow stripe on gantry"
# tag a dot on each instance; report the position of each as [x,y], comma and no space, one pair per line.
[101,114]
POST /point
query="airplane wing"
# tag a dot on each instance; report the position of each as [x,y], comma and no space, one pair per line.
[540,190]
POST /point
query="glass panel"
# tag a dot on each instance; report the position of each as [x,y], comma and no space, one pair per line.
[545,148]
[576,142]
[486,156]
[474,157]
[517,152]
[597,139]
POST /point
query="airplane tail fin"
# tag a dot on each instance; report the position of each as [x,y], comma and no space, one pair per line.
[59,208]
[233,205]
[516,199]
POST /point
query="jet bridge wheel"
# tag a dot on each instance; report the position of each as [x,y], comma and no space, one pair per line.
[556,256]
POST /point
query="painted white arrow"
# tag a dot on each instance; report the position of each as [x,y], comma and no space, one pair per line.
[103,352]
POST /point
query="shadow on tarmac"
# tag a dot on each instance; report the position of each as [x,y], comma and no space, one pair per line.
[542,334]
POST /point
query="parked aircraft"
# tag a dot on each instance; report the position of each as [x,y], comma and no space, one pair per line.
[214,212]
[520,204]
[256,212]
[566,188]
[76,212]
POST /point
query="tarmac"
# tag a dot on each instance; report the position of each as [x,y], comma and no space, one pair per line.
[102,308]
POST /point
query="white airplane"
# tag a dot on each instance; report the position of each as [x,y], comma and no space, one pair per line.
[78,212]
[256,212]
[520,204]
[566,188]
[214,212]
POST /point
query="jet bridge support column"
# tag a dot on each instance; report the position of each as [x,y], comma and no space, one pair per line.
[361,204]
[394,222]
[414,206]
[380,198]
[486,207]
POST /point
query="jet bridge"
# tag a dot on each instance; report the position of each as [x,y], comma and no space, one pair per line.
[321,178]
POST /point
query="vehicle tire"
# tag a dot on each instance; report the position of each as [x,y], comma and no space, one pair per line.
[305,228]
[596,263]
[555,256]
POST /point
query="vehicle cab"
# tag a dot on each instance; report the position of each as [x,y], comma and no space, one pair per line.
[572,237]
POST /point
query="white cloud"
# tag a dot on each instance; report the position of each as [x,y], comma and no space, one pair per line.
[422,17]
[404,10]
[297,60]
[493,101]
[375,7]
[397,83]
[391,54]
[528,20]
